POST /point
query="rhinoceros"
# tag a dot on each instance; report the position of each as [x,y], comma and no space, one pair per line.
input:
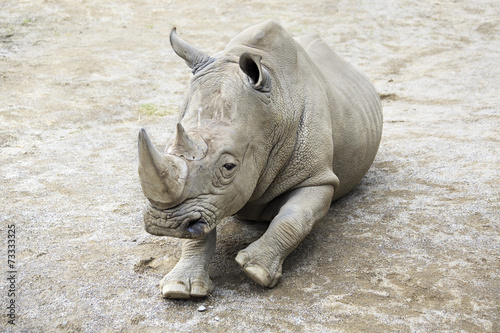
[273,129]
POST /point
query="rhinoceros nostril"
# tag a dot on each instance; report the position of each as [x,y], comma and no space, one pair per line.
[197,227]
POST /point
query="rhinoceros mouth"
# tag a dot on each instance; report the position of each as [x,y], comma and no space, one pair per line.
[175,222]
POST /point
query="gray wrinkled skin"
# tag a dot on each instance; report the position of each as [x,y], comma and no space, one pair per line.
[272,129]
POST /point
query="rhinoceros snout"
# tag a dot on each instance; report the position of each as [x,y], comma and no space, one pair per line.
[175,222]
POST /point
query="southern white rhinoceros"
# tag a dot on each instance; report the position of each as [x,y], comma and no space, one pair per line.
[272,129]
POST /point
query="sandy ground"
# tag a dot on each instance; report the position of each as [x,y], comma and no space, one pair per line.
[415,248]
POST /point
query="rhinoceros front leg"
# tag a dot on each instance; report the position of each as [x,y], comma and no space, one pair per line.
[296,215]
[189,278]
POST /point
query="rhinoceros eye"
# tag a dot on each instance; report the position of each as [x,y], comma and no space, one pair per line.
[229,166]
[227,169]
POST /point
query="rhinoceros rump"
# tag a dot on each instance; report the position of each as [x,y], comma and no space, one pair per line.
[272,129]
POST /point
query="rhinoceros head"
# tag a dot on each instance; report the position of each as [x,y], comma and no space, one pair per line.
[211,166]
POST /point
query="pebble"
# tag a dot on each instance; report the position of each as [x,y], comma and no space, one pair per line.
[202,308]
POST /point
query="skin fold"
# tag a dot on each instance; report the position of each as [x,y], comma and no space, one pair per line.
[272,129]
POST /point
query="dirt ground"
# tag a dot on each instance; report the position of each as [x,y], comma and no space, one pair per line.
[414,248]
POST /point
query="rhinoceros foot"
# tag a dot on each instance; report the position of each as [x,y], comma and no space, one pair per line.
[186,282]
[259,267]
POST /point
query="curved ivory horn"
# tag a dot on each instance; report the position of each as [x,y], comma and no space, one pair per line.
[162,177]
[194,58]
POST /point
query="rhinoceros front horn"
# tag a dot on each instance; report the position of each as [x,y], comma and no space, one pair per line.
[194,58]
[162,176]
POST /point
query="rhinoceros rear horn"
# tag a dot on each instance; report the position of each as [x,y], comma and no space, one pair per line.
[258,76]
[194,58]
[191,148]
[162,176]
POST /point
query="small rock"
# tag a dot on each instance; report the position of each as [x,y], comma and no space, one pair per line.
[217,319]
[202,308]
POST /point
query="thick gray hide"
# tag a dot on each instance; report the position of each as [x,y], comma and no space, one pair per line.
[273,129]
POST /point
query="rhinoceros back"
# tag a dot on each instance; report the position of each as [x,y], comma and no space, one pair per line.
[356,113]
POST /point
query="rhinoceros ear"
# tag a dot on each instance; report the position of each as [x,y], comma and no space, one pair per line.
[194,58]
[258,76]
